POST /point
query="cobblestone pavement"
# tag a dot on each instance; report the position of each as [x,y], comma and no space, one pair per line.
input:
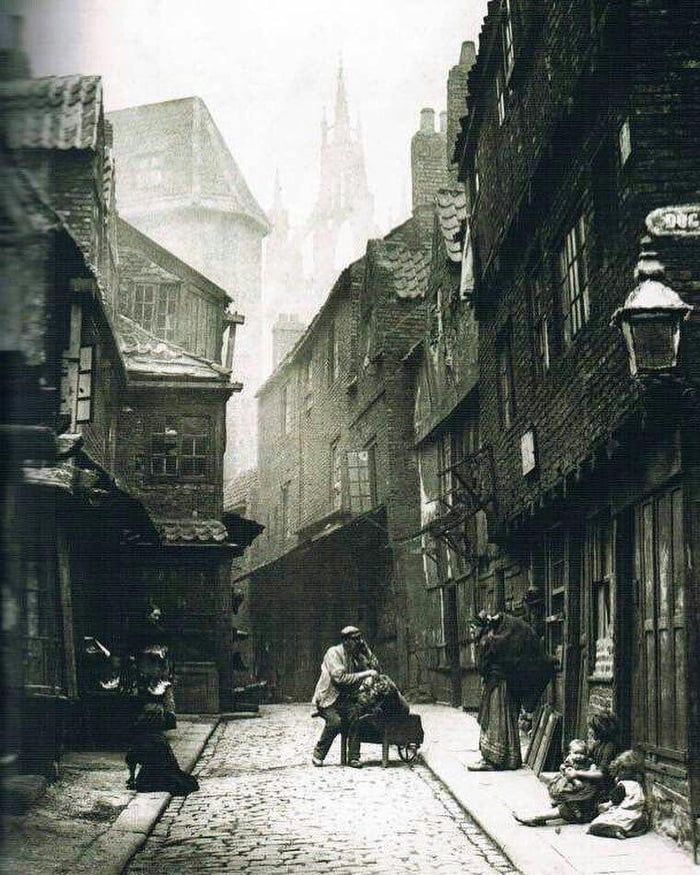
[263,808]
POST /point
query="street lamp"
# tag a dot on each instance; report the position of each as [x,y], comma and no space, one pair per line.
[650,319]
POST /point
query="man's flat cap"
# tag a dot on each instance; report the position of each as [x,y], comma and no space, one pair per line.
[350,632]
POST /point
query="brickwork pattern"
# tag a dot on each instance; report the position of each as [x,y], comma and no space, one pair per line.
[555,156]
[264,808]
[142,414]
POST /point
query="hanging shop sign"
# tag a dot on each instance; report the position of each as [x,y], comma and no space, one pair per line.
[680,221]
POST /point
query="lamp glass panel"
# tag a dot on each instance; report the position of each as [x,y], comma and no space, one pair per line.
[655,343]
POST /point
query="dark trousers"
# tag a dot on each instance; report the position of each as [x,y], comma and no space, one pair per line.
[338,717]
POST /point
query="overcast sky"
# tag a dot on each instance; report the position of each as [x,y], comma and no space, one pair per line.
[266,68]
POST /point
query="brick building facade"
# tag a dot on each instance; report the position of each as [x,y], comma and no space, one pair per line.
[579,123]
[179,184]
[337,483]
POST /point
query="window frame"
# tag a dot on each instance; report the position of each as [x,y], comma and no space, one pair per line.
[574,278]
[365,499]
[286,411]
[506,375]
[540,328]
[174,433]
[507,40]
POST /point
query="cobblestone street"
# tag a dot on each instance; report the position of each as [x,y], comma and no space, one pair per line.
[264,808]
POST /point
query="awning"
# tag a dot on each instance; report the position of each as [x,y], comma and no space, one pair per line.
[241,530]
[373,519]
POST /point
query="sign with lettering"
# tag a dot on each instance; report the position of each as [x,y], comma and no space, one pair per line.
[681,221]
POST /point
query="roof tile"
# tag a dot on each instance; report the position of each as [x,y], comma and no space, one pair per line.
[451,208]
[56,112]
[195,530]
[147,354]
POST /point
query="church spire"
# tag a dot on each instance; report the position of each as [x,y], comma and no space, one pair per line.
[342,116]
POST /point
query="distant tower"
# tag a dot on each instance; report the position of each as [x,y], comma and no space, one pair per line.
[179,184]
[283,273]
[343,218]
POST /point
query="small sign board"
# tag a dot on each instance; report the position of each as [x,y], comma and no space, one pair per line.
[528,452]
[680,221]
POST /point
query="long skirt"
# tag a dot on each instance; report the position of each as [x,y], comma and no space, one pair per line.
[499,741]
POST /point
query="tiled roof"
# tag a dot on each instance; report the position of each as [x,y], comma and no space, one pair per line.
[451,206]
[192,531]
[408,267]
[148,355]
[56,112]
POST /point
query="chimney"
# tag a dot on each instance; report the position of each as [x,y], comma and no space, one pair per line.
[457,102]
[285,333]
[14,63]
[428,169]
[427,121]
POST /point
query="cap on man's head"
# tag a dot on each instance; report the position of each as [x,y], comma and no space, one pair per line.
[350,632]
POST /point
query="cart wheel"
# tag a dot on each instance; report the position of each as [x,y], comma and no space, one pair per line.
[408,752]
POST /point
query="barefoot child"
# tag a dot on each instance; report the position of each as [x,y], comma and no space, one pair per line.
[625,815]
[602,749]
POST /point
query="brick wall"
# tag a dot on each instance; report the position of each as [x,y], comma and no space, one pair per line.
[557,155]
[586,389]
[141,415]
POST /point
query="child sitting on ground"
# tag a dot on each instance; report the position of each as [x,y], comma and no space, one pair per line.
[625,815]
[581,807]
[563,787]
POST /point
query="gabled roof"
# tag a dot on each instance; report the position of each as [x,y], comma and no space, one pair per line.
[165,258]
[148,356]
[184,132]
[56,112]
[451,208]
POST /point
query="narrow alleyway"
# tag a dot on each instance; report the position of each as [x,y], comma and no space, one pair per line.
[264,808]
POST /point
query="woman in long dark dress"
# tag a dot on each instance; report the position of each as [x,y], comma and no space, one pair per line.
[515,672]
[150,749]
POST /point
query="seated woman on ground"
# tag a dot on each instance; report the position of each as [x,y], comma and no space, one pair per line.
[581,806]
[160,770]
[625,815]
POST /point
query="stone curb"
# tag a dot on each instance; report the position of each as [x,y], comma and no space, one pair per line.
[516,842]
[111,852]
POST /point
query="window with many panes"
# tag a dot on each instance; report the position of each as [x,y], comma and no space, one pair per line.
[557,580]
[507,38]
[362,479]
[181,447]
[599,571]
[41,630]
[154,306]
[541,324]
[573,279]
[506,384]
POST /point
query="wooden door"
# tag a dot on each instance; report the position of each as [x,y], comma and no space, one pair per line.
[659,685]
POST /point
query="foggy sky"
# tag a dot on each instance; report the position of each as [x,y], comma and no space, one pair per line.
[266,68]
